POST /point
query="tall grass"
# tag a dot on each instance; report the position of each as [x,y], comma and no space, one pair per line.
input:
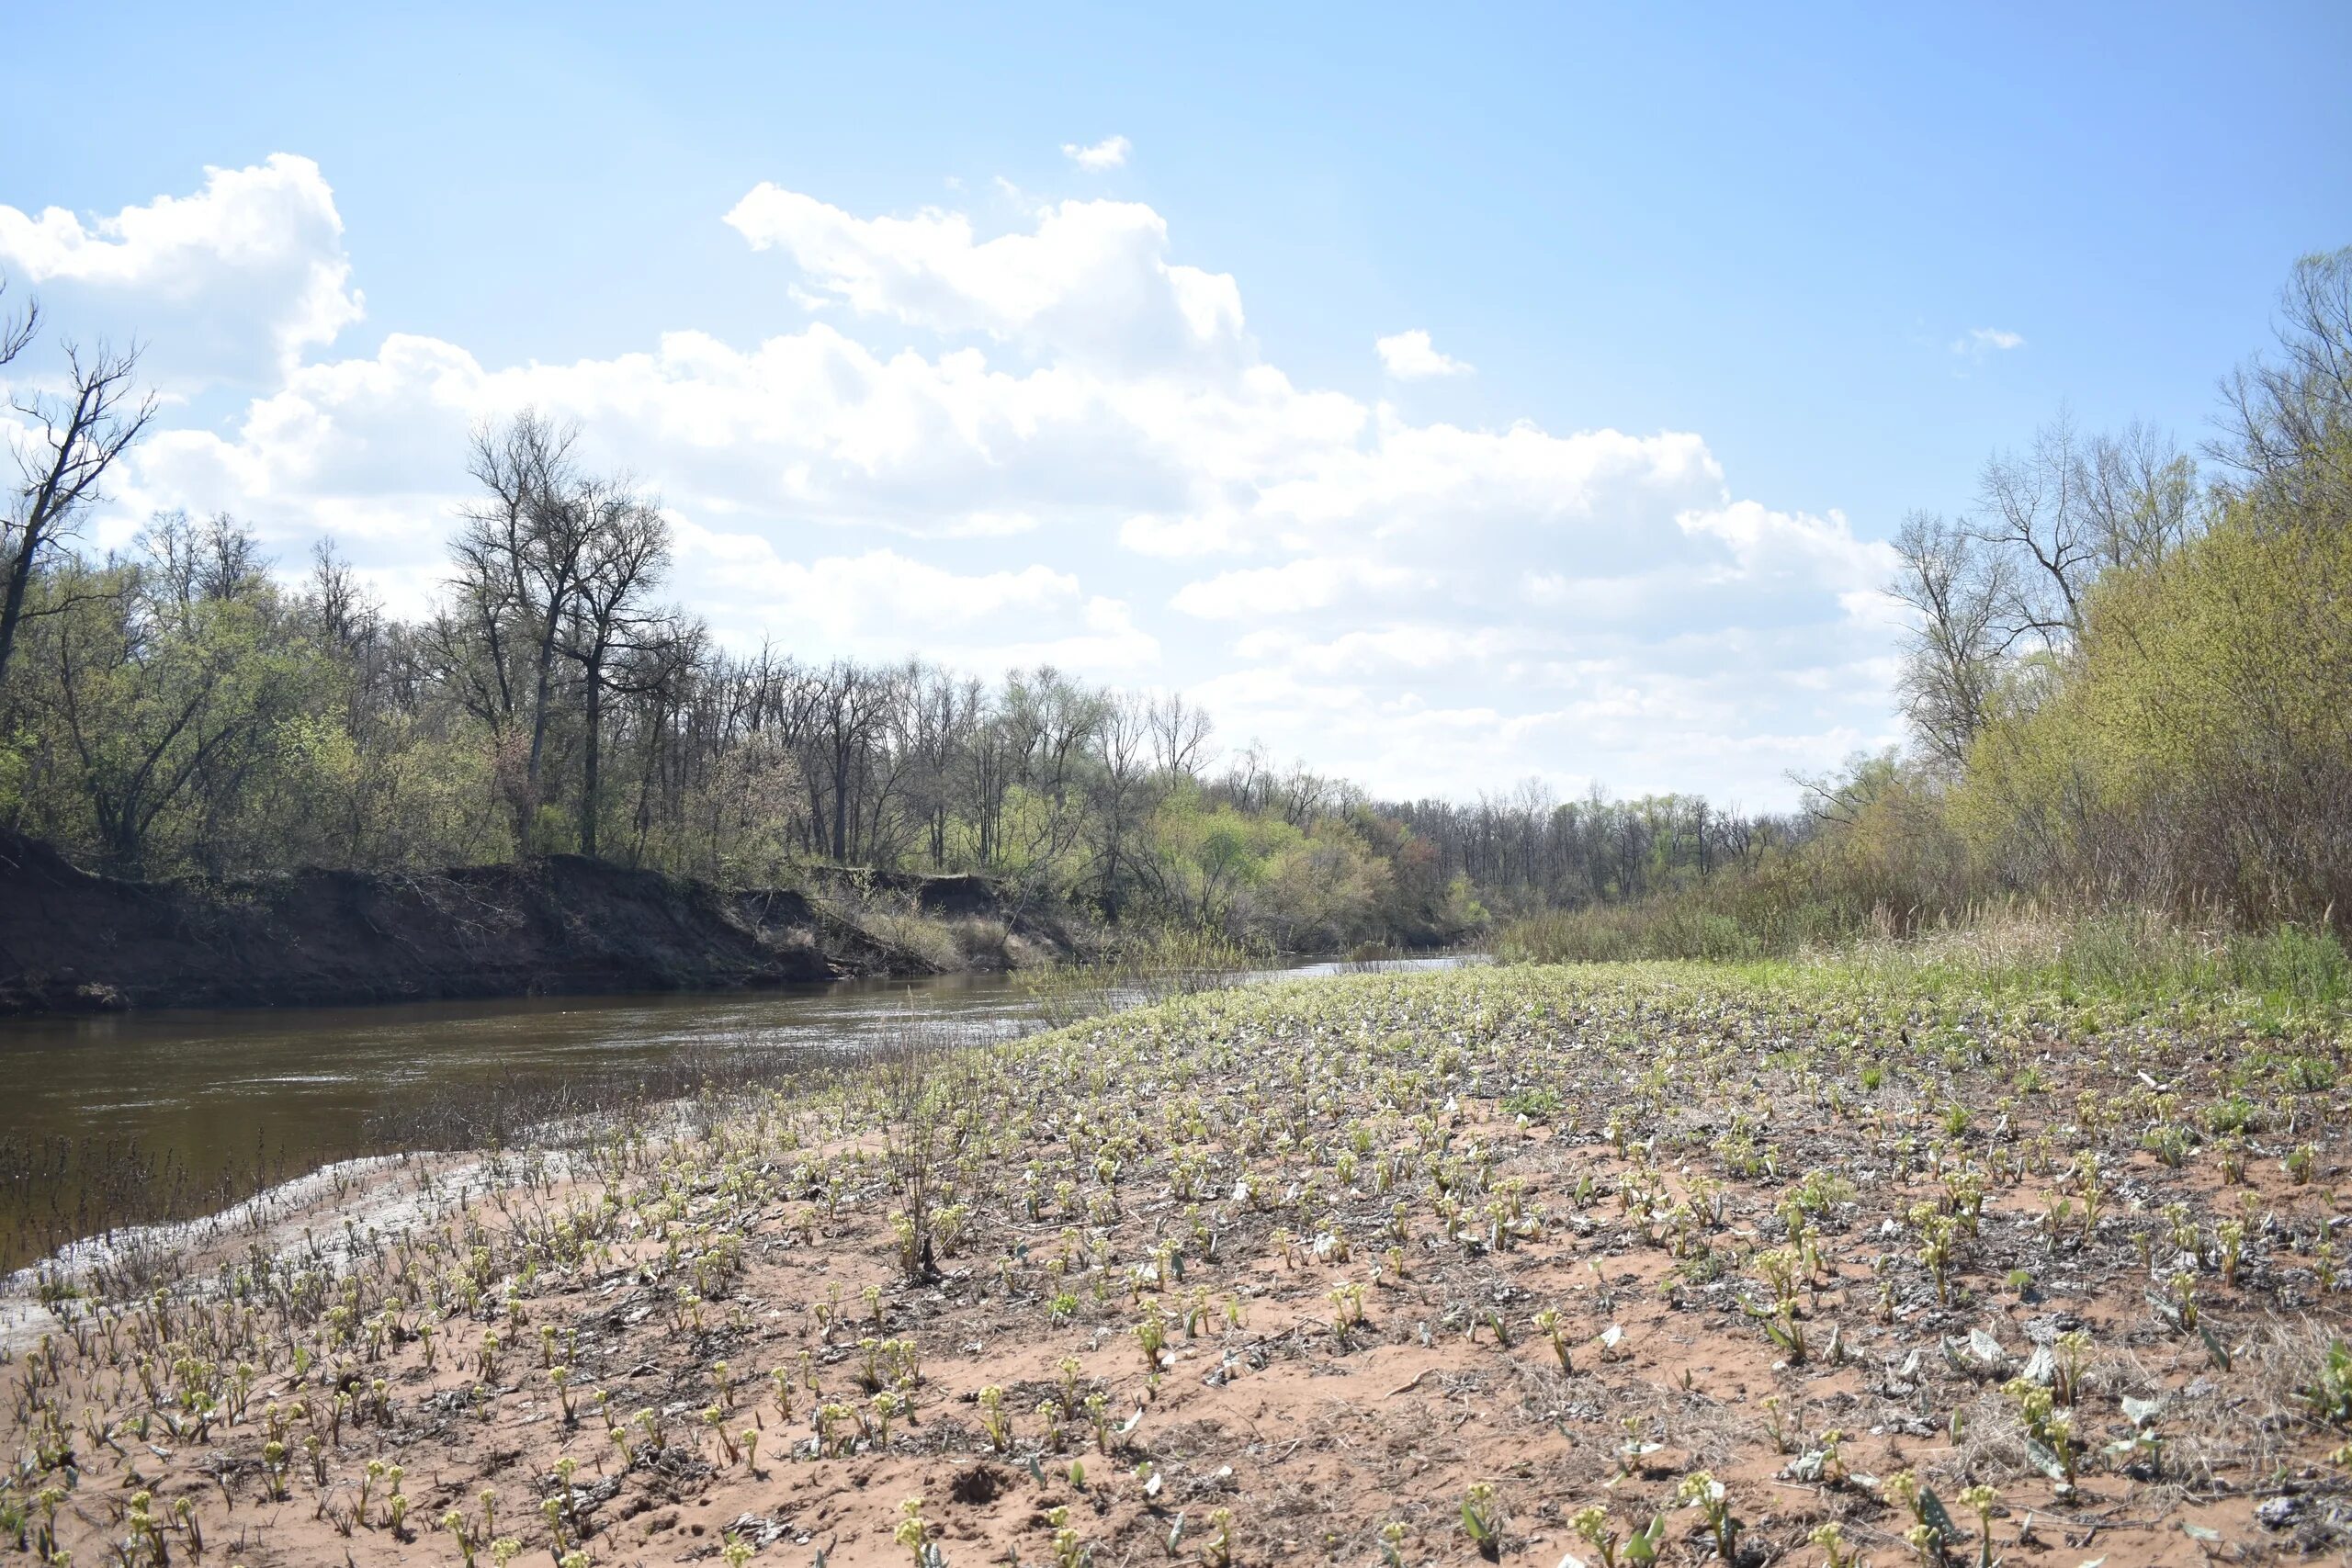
[2075,955]
[1682,925]
[2139,956]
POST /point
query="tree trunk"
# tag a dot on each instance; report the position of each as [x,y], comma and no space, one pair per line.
[592,761]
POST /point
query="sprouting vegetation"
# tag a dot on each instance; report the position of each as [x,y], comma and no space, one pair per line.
[1808,1265]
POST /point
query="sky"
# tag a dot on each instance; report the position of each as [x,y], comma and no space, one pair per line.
[1444,397]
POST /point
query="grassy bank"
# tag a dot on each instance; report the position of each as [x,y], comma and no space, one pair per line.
[1505,1262]
[2138,957]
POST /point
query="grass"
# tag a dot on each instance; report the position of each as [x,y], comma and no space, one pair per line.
[1408,1267]
[1685,926]
[2140,958]
[2132,956]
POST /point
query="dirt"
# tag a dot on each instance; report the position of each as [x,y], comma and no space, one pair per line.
[1588,1182]
[73,941]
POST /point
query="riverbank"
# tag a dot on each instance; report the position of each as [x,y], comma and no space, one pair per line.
[1485,1264]
[74,942]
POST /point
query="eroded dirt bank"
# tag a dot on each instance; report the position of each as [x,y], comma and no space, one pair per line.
[71,941]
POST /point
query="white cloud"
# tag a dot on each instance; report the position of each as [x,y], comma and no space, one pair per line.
[882,605]
[1410,356]
[1091,283]
[233,283]
[1308,584]
[1110,152]
[1092,466]
[1982,341]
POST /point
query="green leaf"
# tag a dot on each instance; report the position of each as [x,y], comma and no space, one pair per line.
[1932,1515]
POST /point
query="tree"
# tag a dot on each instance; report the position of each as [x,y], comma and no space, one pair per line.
[1122,795]
[81,433]
[2031,508]
[2281,415]
[1959,590]
[2140,496]
[156,698]
[519,558]
[624,554]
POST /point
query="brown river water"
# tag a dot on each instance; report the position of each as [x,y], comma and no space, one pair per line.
[131,1117]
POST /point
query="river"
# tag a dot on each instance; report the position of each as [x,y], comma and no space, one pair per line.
[128,1117]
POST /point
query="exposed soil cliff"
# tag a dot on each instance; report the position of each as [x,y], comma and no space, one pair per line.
[73,941]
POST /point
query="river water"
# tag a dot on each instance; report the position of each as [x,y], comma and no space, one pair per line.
[138,1116]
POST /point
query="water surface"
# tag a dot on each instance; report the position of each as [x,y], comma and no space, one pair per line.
[151,1115]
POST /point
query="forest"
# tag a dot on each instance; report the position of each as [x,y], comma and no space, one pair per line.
[2127,676]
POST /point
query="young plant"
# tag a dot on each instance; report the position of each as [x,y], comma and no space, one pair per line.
[998,1425]
[1979,1500]
[1597,1529]
[1703,1492]
[1547,1323]
[1481,1521]
[913,1532]
[2329,1393]
[1218,1553]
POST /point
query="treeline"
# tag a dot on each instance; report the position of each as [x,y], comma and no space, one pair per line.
[2129,679]
[183,707]
[2129,684]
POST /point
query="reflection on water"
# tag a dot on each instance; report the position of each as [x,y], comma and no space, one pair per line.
[305,1083]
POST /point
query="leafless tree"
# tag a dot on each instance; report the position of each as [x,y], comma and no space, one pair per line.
[2278,412]
[943,711]
[520,555]
[852,705]
[1960,591]
[1122,792]
[2139,497]
[79,435]
[217,558]
[624,554]
[1179,737]
[2030,506]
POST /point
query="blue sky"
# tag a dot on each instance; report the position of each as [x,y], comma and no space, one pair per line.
[1724,293]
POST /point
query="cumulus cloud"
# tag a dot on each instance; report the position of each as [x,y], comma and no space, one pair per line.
[1110,152]
[1091,283]
[880,604]
[1088,463]
[1410,356]
[233,283]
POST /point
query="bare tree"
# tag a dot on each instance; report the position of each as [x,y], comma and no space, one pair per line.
[17,329]
[943,710]
[1179,737]
[520,556]
[2279,412]
[1122,792]
[215,559]
[81,433]
[624,554]
[1959,590]
[2138,494]
[2031,505]
[851,706]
